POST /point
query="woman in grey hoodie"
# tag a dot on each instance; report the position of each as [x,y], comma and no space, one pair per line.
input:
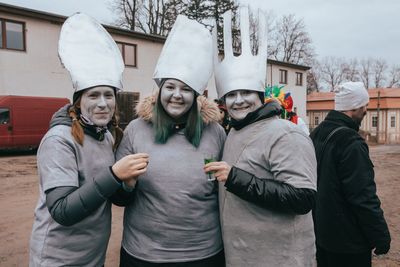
[174,219]
[76,163]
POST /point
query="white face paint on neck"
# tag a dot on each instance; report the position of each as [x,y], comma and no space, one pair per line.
[176,98]
[241,102]
[98,104]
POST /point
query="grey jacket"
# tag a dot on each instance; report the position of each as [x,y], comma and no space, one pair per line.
[254,235]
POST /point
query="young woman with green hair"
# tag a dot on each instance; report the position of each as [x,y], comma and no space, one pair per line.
[174,217]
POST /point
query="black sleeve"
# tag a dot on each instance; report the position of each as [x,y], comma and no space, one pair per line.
[270,194]
[69,205]
[122,198]
[359,189]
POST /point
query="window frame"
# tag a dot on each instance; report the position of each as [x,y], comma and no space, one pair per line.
[374,120]
[393,121]
[123,53]
[4,34]
[316,120]
[283,79]
[299,78]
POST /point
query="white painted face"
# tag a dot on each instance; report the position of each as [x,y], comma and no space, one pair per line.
[176,98]
[98,104]
[241,102]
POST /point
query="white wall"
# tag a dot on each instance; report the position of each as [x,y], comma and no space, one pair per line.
[298,93]
[38,71]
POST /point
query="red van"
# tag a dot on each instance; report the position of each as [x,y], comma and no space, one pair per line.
[25,119]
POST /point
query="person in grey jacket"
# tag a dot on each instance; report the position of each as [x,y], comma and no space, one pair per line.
[76,162]
[268,170]
[173,219]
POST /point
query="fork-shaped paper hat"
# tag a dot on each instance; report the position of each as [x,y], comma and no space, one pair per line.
[246,71]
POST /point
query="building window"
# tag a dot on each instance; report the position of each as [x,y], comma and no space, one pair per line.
[316,120]
[12,35]
[283,76]
[374,121]
[392,121]
[299,78]
[128,52]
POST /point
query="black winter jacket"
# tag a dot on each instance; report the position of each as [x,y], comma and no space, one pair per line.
[347,217]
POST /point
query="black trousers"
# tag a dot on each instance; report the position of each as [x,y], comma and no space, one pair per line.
[127,260]
[327,258]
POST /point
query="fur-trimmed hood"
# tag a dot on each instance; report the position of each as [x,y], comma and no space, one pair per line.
[208,109]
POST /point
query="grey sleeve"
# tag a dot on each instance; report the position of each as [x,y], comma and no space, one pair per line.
[292,160]
[69,205]
[125,147]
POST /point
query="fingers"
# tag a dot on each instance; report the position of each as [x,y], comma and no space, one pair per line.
[220,169]
[131,166]
[216,166]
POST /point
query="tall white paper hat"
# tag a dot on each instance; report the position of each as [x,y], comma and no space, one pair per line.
[89,53]
[246,71]
[186,55]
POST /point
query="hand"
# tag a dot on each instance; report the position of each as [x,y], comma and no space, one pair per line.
[130,167]
[221,170]
[382,249]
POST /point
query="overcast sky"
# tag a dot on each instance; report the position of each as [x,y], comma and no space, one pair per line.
[340,28]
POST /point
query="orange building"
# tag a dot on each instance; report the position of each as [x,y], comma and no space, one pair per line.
[382,122]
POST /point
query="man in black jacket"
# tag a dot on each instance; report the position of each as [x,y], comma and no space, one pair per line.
[348,219]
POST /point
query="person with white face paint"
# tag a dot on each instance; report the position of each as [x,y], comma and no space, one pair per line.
[268,170]
[75,159]
[174,219]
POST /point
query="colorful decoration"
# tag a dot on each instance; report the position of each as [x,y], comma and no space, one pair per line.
[276,93]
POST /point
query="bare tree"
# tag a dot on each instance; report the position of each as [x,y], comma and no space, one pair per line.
[314,77]
[365,71]
[351,72]
[394,76]
[152,17]
[290,42]
[379,68]
[127,11]
[332,71]
[148,16]
[173,9]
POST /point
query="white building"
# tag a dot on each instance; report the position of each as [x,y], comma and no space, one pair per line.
[29,63]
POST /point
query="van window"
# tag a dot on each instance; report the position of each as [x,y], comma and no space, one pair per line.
[4,115]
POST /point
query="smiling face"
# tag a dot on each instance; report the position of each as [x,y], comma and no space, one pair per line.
[98,104]
[176,98]
[241,102]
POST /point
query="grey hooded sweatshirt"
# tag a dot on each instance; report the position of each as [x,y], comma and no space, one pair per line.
[84,171]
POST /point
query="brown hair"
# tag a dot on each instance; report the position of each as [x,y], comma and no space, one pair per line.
[77,130]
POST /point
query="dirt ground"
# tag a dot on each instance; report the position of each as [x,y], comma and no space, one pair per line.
[19,192]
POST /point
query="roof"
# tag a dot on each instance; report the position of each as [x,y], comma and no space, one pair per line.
[59,19]
[389,98]
[287,64]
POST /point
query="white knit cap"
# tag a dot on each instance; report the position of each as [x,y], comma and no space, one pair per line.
[89,53]
[186,55]
[350,95]
[246,71]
